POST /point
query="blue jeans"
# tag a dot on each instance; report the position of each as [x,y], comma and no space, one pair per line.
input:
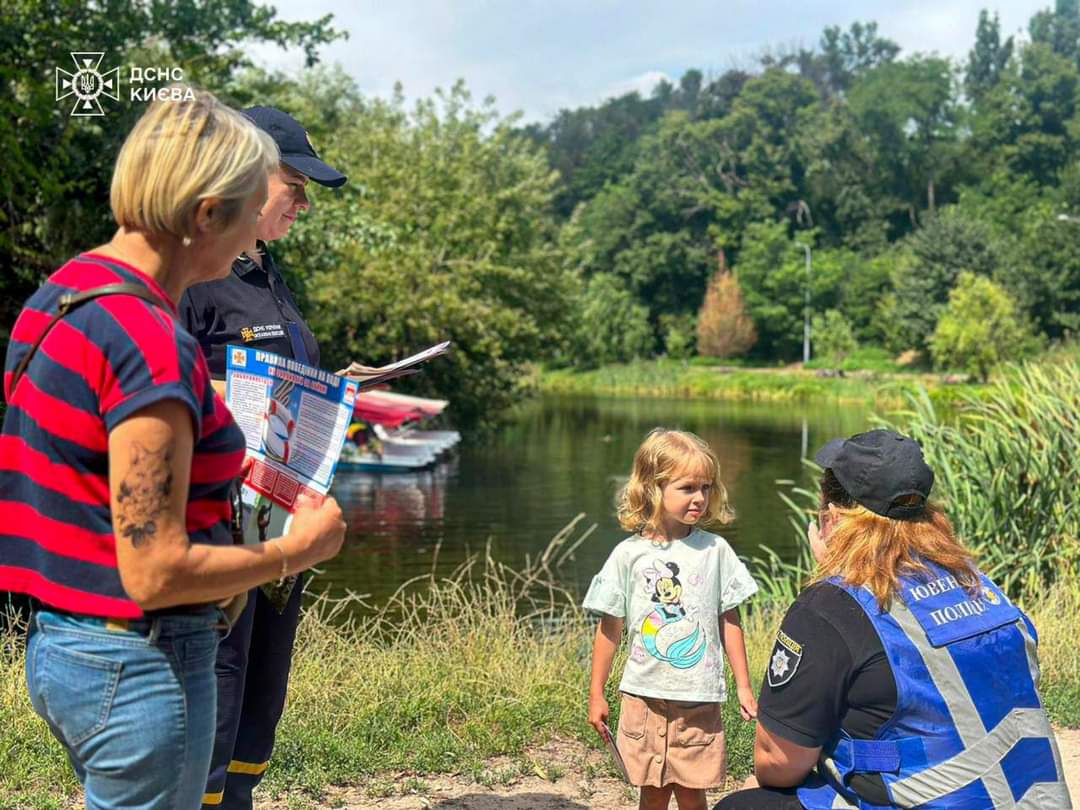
[134,708]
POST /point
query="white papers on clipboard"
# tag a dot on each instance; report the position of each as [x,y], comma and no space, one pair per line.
[613,749]
[368,377]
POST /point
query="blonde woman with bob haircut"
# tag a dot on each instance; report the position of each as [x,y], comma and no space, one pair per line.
[676,589]
[117,458]
[902,676]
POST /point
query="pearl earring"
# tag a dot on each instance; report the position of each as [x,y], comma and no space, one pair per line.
[186,241]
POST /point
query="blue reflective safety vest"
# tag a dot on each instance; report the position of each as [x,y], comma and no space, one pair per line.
[969,730]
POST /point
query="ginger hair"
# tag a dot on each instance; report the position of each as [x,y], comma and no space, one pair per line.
[864,548]
[664,456]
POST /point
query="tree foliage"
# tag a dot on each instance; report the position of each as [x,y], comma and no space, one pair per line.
[444,231]
[980,328]
[926,270]
[54,187]
[833,338]
[614,327]
[724,329]
[594,237]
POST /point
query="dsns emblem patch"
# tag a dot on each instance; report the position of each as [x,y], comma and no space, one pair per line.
[785,658]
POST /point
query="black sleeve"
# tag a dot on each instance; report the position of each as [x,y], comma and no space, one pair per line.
[191,315]
[806,679]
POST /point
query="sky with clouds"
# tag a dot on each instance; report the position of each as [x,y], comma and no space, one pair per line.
[539,56]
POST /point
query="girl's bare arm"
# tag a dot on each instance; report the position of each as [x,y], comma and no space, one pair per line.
[731,634]
[605,645]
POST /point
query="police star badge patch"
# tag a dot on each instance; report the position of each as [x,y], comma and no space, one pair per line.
[786,655]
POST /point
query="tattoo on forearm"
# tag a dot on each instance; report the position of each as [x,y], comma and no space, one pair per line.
[144,493]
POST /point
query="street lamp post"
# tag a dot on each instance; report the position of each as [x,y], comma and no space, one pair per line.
[806,307]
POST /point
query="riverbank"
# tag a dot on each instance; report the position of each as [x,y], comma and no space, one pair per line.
[675,378]
[453,692]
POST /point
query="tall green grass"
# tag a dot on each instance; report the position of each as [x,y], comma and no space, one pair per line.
[1007,469]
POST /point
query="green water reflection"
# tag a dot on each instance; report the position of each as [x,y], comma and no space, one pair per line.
[562,456]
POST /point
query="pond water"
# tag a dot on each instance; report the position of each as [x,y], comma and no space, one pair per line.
[562,456]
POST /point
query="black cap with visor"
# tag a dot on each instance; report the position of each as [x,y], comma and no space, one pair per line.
[295,145]
[881,470]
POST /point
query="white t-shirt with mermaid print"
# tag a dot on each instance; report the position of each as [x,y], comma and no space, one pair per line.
[671,596]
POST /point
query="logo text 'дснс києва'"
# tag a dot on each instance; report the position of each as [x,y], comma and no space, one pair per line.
[88,83]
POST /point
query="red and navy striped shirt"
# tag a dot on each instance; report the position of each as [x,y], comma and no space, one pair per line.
[103,362]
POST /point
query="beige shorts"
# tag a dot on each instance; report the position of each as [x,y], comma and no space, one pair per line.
[668,742]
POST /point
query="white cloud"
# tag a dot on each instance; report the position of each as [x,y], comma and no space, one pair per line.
[540,56]
[642,84]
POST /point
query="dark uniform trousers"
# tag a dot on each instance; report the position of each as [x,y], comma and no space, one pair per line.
[253,676]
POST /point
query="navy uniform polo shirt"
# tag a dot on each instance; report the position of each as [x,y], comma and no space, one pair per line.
[253,307]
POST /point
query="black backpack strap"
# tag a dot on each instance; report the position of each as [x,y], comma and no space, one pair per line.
[71,301]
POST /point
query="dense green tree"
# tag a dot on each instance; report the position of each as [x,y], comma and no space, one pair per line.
[987,59]
[1026,124]
[1045,277]
[908,110]
[841,57]
[1059,28]
[846,184]
[863,281]
[846,55]
[772,274]
[926,270]
[444,231]
[590,147]
[980,328]
[832,337]
[57,168]
[614,327]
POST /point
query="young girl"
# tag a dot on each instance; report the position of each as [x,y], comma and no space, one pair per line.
[676,588]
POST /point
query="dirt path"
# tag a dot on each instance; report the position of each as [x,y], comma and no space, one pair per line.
[565,776]
[1069,743]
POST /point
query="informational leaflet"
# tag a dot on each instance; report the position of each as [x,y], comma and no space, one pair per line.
[294,418]
[613,749]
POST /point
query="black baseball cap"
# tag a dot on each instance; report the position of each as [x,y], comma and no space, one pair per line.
[295,145]
[878,468]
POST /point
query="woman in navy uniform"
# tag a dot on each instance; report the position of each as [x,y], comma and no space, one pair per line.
[902,677]
[254,306]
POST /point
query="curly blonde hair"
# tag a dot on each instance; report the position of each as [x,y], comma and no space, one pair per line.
[661,458]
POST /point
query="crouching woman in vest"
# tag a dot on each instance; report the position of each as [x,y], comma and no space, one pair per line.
[902,677]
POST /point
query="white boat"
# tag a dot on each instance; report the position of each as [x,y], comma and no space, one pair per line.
[355,459]
[415,441]
[402,447]
[447,438]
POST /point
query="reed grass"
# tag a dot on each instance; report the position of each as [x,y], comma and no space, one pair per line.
[1007,470]
[1007,467]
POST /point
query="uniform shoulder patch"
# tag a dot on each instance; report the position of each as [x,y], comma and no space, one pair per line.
[784,660]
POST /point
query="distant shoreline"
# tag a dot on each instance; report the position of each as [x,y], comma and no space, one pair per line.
[674,378]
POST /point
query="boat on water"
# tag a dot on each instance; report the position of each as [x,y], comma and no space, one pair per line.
[385,436]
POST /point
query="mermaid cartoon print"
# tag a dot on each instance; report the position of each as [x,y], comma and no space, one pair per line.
[670,618]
